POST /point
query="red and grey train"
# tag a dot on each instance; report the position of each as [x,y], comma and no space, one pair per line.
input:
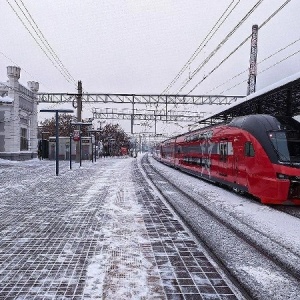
[256,154]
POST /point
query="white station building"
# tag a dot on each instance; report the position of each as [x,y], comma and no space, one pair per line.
[18,117]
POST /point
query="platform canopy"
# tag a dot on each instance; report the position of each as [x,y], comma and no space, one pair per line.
[281,98]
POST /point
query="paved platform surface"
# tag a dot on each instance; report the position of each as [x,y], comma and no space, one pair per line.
[95,232]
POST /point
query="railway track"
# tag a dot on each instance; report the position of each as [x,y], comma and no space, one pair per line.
[292,211]
[240,247]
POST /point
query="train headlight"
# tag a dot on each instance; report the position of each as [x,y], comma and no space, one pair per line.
[282,176]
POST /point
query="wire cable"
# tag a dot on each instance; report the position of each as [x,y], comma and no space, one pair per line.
[38,43]
[208,37]
[48,50]
[45,42]
[264,70]
[245,71]
[203,44]
[221,44]
[239,46]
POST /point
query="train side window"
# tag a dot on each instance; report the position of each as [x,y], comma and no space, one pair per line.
[223,151]
[249,149]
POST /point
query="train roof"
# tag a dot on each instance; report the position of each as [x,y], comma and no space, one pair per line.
[260,126]
[255,123]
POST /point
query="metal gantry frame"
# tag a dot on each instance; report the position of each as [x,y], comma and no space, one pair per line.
[150,114]
[169,103]
[154,99]
[284,99]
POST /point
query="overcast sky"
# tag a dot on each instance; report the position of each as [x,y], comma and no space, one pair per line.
[137,46]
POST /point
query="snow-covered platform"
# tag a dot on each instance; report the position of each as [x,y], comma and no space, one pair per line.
[96,232]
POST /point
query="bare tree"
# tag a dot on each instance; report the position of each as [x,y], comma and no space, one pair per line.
[112,136]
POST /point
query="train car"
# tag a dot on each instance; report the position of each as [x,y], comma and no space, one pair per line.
[257,154]
[156,150]
[167,154]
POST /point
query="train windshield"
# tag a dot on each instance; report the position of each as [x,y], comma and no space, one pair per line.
[287,145]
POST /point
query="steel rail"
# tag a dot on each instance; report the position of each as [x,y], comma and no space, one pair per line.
[290,266]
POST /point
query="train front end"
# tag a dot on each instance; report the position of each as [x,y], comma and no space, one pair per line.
[286,145]
[274,172]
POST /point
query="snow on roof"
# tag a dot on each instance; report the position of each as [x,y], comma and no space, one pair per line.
[6,99]
[258,93]
[274,86]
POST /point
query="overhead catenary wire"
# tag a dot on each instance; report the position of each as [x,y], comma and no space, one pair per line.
[264,70]
[50,40]
[220,45]
[48,46]
[40,42]
[245,71]
[208,37]
[45,42]
[265,22]
[240,45]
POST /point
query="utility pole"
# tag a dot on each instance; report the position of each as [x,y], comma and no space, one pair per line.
[253,57]
[132,115]
[79,101]
[79,118]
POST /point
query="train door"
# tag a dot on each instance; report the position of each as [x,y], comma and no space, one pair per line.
[172,153]
[238,164]
[239,167]
[223,157]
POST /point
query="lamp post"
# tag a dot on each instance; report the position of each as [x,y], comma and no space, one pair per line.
[56,111]
[71,136]
[80,146]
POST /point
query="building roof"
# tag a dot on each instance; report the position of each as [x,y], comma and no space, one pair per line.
[6,99]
